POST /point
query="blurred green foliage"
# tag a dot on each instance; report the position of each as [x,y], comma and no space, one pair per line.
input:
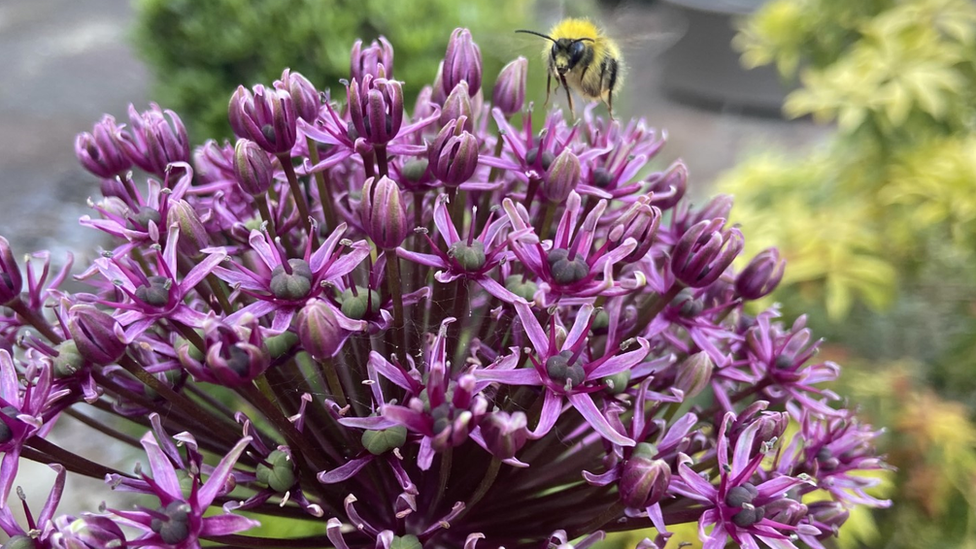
[199,52]
[878,225]
[879,221]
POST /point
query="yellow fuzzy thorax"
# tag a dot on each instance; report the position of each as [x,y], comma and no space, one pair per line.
[584,28]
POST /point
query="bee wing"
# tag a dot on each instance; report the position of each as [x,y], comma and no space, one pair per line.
[644,31]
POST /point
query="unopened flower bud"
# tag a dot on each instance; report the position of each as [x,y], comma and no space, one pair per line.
[505,433]
[237,363]
[704,252]
[267,116]
[644,480]
[532,156]
[453,156]
[827,513]
[748,516]
[94,334]
[761,275]
[566,269]
[640,222]
[193,234]
[278,472]
[359,303]
[11,281]
[155,142]
[456,106]
[786,511]
[292,281]
[101,152]
[670,188]
[8,421]
[618,382]
[383,214]
[369,60]
[323,330]
[68,360]
[303,94]
[509,92]
[693,374]
[470,257]
[521,286]
[562,177]
[376,108]
[19,541]
[93,532]
[462,63]
[406,542]
[252,167]
[737,496]
[175,528]
[564,372]
[381,442]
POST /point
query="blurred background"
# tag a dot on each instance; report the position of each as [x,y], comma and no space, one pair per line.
[848,143]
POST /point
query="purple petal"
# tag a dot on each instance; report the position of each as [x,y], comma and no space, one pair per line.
[584,404]
[8,471]
[532,328]
[696,482]
[162,468]
[220,473]
[521,376]
[223,525]
[551,408]
[9,388]
[345,471]
[47,512]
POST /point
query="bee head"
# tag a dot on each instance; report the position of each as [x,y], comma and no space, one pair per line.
[567,53]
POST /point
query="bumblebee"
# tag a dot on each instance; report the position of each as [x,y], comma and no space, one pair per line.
[584,59]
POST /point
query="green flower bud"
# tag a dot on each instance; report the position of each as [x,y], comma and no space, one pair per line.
[68,361]
[356,306]
[279,474]
[381,442]
[523,288]
[470,257]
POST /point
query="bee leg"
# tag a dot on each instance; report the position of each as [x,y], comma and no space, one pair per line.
[611,81]
[548,87]
[569,96]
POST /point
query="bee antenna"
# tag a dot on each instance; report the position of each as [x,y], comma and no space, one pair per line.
[584,40]
[547,37]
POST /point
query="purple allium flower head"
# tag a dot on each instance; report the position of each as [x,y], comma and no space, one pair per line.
[303,94]
[509,92]
[267,116]
[101,152]
[515,381]
[155,142]
[462,63]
